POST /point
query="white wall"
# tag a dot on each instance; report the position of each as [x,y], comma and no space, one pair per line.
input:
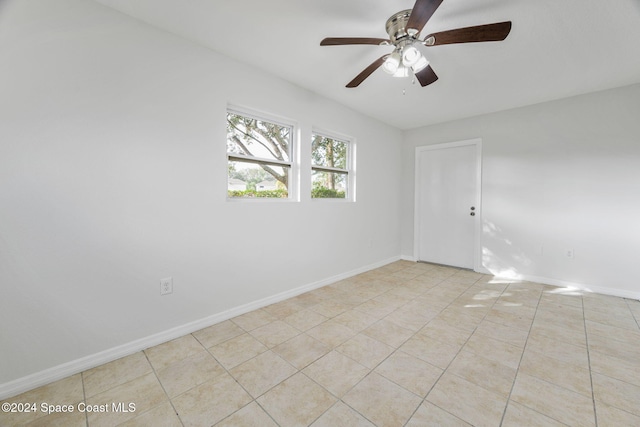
[556,176]
[113,176]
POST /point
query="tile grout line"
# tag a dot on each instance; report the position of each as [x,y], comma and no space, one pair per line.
[155,373]
[593,393]
[371,370]
[153,370]
[334,348]
[234,378]
[398,349]
[520,362]
[298,371]
[515,378]
[636,318]
[461,347]
[557,385]
[474,331]
[84,398]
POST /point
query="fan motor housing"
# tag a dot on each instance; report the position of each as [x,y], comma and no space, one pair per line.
[396,26]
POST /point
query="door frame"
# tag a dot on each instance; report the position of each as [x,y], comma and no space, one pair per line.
[477,247]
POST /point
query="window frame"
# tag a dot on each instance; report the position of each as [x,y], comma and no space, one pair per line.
[349,171]
[291,164]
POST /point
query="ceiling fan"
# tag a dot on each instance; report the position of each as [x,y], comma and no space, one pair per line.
[404,35]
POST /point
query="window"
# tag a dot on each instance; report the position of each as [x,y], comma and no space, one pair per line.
[259,154]
[330,163]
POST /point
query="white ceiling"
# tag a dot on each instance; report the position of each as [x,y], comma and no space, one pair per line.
[557,48]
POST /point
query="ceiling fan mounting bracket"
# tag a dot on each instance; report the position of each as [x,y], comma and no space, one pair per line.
[396,27]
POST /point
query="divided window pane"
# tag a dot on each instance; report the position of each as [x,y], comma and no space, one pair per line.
[259,156]
[330,167]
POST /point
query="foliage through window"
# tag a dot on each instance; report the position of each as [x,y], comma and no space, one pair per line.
[259,156]
[329,167]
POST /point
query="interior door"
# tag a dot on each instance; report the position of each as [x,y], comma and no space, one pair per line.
[447,203]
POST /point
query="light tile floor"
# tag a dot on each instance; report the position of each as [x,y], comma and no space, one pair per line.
[405,344]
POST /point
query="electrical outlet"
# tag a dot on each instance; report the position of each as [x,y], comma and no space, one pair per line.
[569,253]
[166,286]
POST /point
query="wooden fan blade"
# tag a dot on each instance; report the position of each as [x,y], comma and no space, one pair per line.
[339,41]
[480,33]
[421,13]
[367,72]
[426,76]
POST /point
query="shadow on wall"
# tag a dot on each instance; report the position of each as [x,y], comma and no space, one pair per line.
[502,266]
[505,261]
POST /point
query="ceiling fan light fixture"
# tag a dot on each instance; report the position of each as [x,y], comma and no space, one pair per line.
[402,71]
[410,56]
[392,63]
[404,30]
[420,64]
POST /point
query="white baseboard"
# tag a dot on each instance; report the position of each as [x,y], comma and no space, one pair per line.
[37,379]
[623,293]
